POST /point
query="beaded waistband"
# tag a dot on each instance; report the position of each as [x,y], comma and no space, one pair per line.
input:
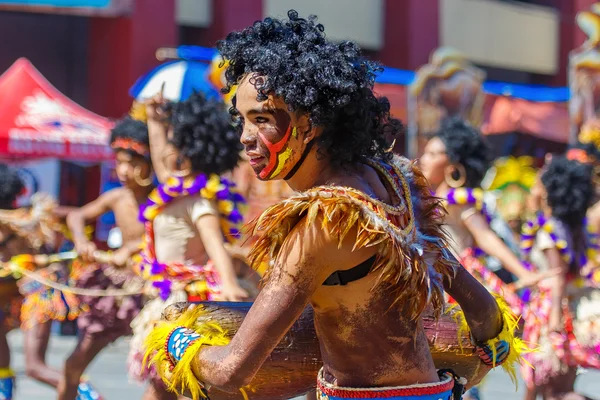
[439,390]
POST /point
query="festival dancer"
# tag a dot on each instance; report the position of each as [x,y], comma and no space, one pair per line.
[28,233]
[454,162]
[587,150]
[564,315]
[189,217]
[362,243]
[11,244]
[109,317]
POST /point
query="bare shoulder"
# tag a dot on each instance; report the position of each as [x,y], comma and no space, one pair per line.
[594,214]
[317,246]
[114,196]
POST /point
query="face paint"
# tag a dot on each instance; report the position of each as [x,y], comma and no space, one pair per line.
[279,154]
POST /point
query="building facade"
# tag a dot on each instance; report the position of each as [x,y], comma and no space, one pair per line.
[95,56]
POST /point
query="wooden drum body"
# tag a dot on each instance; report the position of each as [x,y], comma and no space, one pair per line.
[291,370]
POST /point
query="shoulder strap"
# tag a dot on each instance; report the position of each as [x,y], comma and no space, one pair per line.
[342,278]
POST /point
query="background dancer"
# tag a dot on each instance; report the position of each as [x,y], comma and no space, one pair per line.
[109,317]
[190,217]
[32,231]
[564,314]
[363,244]
[454,162]
[11,187]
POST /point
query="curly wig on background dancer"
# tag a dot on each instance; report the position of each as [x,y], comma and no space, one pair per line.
[203,134]
[455,162]
[564,315]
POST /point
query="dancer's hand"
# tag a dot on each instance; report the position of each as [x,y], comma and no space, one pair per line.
[234,292]
[120,257]
[533,279]
[155,107]
[86,250]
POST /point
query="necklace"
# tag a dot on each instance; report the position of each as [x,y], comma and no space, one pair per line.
[230,206]
[468,196]
[531,228]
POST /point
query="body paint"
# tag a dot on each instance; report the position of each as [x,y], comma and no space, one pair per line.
[277,155]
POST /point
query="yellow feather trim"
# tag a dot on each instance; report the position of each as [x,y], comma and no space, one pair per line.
[510,322]
[182,377]
[412,256]
[6,373]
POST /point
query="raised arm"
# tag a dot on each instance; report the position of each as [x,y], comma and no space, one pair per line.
[157,134]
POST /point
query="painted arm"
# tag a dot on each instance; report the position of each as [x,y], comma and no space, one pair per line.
[307,257]
[77,218]
[558,287]
[491,244]
[210,232]
[479,306]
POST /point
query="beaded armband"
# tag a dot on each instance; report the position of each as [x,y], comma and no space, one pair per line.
[506,349]
[493,356]
[7,383]
[178,342]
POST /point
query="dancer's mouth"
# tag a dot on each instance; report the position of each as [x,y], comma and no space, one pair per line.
[255,159]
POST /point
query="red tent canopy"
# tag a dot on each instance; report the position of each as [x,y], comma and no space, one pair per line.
[37,121]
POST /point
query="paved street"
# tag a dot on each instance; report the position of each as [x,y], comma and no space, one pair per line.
[109,374]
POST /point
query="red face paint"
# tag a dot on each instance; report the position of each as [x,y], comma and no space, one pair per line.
[274,150]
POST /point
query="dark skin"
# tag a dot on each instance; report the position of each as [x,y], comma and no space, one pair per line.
[365,339]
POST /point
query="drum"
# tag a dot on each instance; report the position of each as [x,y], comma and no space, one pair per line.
[291,369]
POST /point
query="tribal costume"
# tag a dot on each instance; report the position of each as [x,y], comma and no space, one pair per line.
[407,235]
[107,316]
[428,391]
[39,228]
[178,281]
[327,137]
[473,258]
[578,343]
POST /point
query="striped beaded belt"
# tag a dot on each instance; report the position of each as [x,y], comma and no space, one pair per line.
[428,391]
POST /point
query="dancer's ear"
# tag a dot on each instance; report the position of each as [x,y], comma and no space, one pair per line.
[307,128]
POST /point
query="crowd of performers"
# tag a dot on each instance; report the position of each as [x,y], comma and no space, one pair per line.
[371,240]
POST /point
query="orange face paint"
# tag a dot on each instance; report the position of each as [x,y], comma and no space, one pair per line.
[279,153]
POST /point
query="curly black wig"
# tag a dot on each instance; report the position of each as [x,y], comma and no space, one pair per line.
[129,128]
[330,82]
[11,186]
[203,133]
[570,189]
[466,146]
